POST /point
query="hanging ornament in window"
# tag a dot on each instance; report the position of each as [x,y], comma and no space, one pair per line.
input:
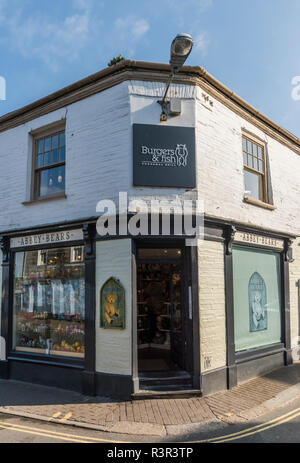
[50,181]
[60,178]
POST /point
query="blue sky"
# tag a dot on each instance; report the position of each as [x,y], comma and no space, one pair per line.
[252,46]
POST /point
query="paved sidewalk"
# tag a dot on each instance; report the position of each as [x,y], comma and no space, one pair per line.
[152,417]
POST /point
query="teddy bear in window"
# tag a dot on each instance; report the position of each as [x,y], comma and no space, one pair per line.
[111,311]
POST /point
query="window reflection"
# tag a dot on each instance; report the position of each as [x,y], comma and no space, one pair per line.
[49,301]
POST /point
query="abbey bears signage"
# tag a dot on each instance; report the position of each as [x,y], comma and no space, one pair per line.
[164,156]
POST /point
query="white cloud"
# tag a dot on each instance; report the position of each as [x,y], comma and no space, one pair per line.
[50,41]
[131,27]
[129,30]
[201,42]
[139,28]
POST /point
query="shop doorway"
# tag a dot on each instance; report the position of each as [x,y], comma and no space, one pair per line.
[161,312]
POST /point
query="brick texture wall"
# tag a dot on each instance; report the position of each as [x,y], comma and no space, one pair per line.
[212,305]
[220,171]
[295,294]
[113,347]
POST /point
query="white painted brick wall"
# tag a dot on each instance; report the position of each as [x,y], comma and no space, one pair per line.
[99,159]
[98,141]
[0,284]
[212,305]
[220,171]
[294,294]
[2,341]
[113,347]
[99,165]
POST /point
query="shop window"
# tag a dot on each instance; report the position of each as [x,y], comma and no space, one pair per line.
[49,302]
[255,177]
[77,254]
[49,165]
[257,298]
[42,258]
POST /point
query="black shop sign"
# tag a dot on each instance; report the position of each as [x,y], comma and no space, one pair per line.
[164,156]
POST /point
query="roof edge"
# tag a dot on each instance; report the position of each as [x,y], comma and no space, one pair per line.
[119,69]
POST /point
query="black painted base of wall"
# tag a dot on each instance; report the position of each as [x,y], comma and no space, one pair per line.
[69,378]
[288,358]
[222,378]
[122,386]
[47,375]
[4,372]
[260,366]
[88,383]
[110,385]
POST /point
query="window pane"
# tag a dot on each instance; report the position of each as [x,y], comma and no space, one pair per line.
[54,156]
[257,298]
[49,303]
[52,181]
[77,254]
[47,159]
[40,160]
[260,166]
[62,140]
[255,166]
[245,159]
[48,144]
[260,152]
[40,146]
[244,144]
[254,149]
[55,141]
[253,185]
[62,154]
[249,143]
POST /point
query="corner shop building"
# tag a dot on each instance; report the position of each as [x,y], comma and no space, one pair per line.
[202,318]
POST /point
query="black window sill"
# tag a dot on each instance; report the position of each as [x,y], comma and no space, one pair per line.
[258,352]
[45,198]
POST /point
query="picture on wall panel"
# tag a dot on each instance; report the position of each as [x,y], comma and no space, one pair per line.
[112,310]
[258,315]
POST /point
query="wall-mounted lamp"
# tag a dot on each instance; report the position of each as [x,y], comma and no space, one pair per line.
[181,47]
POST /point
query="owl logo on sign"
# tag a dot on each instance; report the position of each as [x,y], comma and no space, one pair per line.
[181,153]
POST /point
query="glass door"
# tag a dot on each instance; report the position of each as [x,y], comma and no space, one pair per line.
[160,317]
[177,321]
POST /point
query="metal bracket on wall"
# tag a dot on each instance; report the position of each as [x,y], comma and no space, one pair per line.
[89,232]
[229,233]
[288,251]
[4,245]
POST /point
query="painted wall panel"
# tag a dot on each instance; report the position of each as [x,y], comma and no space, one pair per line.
[113,347]
[295,294]
[212,305]
[99,159]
